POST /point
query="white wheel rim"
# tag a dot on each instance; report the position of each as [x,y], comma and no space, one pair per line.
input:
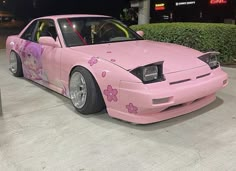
[78,90]
[13,63]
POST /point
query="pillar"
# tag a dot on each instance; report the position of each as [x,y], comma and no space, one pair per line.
[144,12]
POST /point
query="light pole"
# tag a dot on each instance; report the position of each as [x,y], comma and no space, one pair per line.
[143,10]
[35,3]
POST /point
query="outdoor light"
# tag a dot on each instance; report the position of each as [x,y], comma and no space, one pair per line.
[160,7]
[185,3]
[213,2]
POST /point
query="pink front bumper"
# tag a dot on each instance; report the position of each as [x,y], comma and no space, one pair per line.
[160,101]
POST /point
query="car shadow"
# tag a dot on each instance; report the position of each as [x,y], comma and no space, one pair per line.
[54,93]
[103,115]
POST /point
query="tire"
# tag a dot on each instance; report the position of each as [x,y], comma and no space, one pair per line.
[85,93]
[15,65]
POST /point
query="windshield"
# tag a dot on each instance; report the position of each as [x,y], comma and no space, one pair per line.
[94,30]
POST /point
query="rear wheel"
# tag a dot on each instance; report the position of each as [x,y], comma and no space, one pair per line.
[15,65]
[84,92]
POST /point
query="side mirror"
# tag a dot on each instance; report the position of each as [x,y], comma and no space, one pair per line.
[49,41]
[140,33]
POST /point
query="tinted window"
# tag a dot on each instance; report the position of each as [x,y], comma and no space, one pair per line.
[94,30]
[29,32]
[38,29]
[45,28]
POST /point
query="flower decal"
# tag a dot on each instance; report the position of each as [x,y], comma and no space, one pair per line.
[131,108]
[93,61]
[104,74]
[111,93]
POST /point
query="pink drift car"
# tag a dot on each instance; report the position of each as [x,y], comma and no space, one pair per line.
[98,62]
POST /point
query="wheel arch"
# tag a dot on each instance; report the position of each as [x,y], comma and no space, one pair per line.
[19,66]
[113,77]
[13,50]
[93,75]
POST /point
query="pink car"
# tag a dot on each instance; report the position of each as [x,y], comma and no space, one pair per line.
[98,62]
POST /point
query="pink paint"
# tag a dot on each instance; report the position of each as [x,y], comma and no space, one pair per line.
[63,90]
[131,108]
[104,74]
[31,61]
[92,61]
[17,47]
[111,93]
[180,63]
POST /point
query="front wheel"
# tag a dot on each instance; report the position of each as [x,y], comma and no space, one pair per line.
[15,65]
[84,92]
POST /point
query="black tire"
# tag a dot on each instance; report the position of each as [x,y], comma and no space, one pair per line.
[94,101]
[17,69]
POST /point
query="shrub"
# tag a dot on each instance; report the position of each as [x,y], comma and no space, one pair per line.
[201,36]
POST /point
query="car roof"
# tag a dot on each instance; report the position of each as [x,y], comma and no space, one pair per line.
[71,16]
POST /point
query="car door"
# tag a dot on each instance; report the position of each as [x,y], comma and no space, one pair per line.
[41,63]
[30,52]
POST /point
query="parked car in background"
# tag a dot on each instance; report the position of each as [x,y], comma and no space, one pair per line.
[98,62]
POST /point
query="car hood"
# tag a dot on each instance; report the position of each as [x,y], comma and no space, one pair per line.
[132,54]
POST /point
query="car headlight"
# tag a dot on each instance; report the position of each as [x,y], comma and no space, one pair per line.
[210,59]
[150,73]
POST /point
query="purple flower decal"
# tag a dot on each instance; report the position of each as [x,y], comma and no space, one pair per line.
[131,108]
[93,61]
[104,74]
[113,60]
[111,93]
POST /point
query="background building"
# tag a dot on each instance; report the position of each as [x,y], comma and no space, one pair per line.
[5,16]
[193,10]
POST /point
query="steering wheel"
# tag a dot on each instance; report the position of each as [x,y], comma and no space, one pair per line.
[104,30]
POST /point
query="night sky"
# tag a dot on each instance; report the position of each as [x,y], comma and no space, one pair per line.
[28,9]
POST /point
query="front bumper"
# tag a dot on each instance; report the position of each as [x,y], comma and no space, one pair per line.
[181,93]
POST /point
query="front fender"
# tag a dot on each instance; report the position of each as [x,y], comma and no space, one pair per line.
[106,73]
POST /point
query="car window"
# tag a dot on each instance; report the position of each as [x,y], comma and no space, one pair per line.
[40,28]
[71,31]
[45,27]
[28,34]
[94,30]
